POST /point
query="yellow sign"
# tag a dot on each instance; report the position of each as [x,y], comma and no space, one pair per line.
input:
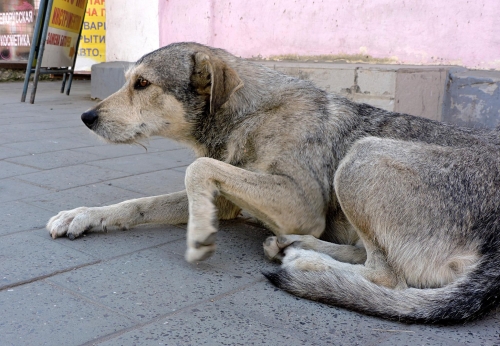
[67,14]
[92,47]
[66,19]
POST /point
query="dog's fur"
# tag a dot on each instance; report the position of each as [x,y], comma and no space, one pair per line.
[408,208]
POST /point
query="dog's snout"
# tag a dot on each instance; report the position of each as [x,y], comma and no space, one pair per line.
[90,118]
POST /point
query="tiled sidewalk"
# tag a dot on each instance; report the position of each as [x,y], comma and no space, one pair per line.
[134,287]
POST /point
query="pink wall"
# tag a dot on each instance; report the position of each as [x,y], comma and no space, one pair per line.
[458,32]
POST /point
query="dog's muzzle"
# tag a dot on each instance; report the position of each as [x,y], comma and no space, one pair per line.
[89,118]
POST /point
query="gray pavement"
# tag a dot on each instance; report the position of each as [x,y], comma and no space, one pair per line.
[134,287]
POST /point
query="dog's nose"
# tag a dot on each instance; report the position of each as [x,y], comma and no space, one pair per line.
[90,118]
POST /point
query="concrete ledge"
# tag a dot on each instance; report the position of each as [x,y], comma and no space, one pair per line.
[451,94]
[107,78]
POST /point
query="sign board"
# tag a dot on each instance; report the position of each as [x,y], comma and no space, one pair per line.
[55,42]
[92,47]
[64,27]
[17,22]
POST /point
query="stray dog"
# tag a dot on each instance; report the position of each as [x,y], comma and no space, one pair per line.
[407,208]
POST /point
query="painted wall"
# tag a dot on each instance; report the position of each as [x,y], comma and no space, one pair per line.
[131,29]
[431,32]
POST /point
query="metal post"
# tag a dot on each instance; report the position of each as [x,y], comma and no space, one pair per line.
[63,81]
[34,42]
[40,50]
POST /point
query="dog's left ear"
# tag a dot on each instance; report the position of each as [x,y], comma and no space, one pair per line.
[212,77]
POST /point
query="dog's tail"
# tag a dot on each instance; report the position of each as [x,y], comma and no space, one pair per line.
[466,299]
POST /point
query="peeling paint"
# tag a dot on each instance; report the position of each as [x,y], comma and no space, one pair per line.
[488,88]
[473,99]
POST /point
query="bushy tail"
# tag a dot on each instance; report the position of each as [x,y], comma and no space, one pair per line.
[465,299]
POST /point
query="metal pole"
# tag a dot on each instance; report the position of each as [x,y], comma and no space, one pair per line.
[34,43]
[63,81]
[40,50]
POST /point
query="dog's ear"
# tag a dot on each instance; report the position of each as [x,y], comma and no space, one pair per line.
[212,77]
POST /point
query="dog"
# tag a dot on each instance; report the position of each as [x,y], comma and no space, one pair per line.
[385,213]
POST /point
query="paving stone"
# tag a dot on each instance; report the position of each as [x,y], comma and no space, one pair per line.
[41,314]
[6,152]
[485,331]
[23,128]
[13,190]
[8,169]
[72,176]
[321,324]
[6,118]
[142,163]
[149,283]
[92,195]
[239,249]
[208,324]
[48,144]
[25,256]
[152,184]
[19,216]
[54,159]
[117,242]
[411,338]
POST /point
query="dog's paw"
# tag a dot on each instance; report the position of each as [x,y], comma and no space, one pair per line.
[274,246]
[71,223]
[271,249]
[200,249]
[306,260]
[199,254]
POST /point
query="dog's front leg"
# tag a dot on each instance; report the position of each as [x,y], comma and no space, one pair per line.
[273,199]
[163,209]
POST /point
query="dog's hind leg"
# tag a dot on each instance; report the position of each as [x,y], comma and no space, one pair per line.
[275,200]
[374,269]
[274,246]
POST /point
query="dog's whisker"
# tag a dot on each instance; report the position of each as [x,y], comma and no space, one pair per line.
[141,145]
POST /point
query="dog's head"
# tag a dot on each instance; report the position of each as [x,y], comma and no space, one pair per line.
[165,94]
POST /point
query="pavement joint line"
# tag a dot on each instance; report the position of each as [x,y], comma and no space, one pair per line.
[51,189]
[89,300]
[23,165]
[123,254]
[120,156]
[35,228]
[42,277]
[130,174]
[170,314]
[41,206]
[73,186]
[108,182]
[83,265]
[30,130]
[41,153]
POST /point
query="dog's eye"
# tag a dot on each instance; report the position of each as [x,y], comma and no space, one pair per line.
[141,83]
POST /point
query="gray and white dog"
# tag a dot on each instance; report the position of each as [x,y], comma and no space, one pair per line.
[408,209]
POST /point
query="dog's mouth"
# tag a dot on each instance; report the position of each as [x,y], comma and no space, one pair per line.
[120,133]
[115,130]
